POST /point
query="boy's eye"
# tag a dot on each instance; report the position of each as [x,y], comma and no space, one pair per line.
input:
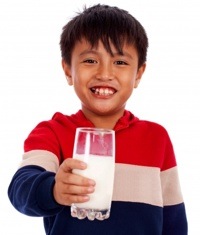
[120,62]
[90,61]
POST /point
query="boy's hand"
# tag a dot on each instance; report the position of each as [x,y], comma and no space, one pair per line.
[71,188]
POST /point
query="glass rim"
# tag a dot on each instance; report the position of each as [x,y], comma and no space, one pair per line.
[95,129]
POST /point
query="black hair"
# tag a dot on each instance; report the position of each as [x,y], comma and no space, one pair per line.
[105,23]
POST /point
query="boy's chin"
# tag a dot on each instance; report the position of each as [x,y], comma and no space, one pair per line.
[107,111]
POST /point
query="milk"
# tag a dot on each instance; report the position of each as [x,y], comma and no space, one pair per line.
[101,170]
[96,147]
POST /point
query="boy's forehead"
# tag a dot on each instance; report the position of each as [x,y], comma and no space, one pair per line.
[88,44]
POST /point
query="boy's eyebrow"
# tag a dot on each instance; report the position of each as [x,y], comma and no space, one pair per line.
[88,52]
[124,54]
[114,54]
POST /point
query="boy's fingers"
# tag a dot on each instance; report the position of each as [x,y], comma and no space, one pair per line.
[74,179]
[78,190]
[68,199]
[69,164]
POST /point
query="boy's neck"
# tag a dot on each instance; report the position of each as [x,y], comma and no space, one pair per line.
[103,121]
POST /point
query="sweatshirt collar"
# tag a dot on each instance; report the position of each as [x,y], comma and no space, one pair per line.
[125,121]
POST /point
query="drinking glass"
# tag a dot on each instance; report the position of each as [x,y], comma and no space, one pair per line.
[96,147]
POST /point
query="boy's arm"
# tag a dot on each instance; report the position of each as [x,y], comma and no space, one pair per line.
[174,220]
[174,214]
[36,191]
[30,191]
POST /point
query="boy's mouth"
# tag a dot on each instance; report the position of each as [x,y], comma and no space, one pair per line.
[103,91]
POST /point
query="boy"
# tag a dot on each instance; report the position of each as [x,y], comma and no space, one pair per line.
[103,56]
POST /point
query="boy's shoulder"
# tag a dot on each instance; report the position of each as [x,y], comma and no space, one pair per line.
[151,126]
[150,123]
[137,122]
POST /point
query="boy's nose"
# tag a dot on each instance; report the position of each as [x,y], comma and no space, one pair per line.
[105,73]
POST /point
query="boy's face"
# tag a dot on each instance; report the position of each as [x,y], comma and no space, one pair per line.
[103,82]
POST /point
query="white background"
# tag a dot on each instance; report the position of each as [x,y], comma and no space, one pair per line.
[33,86]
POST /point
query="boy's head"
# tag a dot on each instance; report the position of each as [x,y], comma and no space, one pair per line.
[107,24]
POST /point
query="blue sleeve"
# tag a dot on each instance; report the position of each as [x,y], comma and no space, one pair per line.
[31,192]
[174,220]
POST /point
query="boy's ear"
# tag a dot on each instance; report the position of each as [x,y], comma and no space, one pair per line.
[67,71]
[139,75]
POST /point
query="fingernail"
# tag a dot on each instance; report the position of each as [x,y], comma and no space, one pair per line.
[92,182]
[90,189]
[86,198]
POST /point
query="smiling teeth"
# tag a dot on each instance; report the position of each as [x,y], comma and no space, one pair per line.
[103,91]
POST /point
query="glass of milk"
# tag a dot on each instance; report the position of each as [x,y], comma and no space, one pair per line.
[96,147]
